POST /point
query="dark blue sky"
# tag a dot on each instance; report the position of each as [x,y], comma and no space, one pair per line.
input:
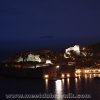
[34,24]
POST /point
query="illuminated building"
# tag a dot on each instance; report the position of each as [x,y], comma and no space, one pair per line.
[76,49]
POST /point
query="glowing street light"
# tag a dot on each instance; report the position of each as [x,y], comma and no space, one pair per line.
[83,48]
[57,66]
[68,75]
[62,76]
[46,76]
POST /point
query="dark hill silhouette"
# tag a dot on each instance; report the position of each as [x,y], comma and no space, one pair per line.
[95,47]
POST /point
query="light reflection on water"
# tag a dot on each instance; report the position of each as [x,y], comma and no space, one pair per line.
[90,76]
[68,85]
[59,89]
[78,85]
[46,84]
[86,76]
[62,82]
[94,75]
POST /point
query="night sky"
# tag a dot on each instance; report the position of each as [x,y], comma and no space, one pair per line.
[36,24]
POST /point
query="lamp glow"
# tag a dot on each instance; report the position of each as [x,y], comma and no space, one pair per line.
[68,75]
[46,76]
[62,76]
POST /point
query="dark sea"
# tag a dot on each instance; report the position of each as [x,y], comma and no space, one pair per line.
[60,89]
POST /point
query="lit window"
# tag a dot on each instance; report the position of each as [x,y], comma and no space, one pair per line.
[78,71]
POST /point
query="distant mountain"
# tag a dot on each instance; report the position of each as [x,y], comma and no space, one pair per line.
[50,54]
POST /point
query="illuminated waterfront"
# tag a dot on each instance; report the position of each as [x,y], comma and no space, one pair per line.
[70,75]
